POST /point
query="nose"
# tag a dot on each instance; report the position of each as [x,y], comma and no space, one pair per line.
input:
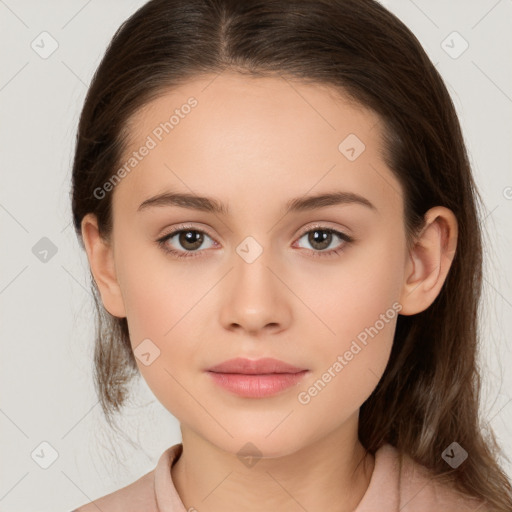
[255,299]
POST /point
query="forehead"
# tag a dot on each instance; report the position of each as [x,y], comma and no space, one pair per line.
[221,134]
[266,107]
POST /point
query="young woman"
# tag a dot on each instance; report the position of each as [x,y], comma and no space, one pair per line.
[281,223]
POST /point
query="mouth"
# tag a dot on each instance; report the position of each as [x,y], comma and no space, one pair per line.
[264,366]
[256,379]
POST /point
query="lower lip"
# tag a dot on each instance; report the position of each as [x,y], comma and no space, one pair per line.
[257,386]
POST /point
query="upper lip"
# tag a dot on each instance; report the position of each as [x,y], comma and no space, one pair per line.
[254,367]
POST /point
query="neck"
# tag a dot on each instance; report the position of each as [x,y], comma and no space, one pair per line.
[331,474]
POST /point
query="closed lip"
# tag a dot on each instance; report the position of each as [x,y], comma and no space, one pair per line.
[262,366]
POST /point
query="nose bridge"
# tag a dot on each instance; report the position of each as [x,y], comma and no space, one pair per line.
[252,275]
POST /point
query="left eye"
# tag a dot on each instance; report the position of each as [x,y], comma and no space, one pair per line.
[192,239]
[321,238]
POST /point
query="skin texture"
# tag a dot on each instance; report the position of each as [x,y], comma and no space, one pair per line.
[255,143]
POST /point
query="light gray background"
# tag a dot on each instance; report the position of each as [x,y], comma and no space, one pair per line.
[47,310]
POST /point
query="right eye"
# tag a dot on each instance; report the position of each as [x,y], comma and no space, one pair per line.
[190,239]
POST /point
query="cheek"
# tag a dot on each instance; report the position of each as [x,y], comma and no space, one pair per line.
[161,317]
[156,292]
[164,304]
[358,307]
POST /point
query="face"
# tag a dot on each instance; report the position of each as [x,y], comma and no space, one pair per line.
[317,287]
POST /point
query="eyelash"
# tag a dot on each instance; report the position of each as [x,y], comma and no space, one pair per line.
[193,254]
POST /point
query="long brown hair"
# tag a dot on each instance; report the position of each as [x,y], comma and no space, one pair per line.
[428,396]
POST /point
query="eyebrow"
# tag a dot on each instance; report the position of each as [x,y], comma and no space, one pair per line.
[208,204]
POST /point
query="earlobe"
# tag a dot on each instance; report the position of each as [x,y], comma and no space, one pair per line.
[101,260]
[429,261]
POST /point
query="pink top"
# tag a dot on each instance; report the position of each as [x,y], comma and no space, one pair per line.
[391,490]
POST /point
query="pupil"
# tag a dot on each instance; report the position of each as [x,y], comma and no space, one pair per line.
[321,237]
[192,238]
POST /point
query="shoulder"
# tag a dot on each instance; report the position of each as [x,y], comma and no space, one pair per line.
[137,496]
[421,491]
[143,494]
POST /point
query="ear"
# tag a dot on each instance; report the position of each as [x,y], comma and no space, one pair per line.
[101,260]
[429,261]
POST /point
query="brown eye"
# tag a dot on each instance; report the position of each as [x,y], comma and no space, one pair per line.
[320,238]
[187,242]
[190,240]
